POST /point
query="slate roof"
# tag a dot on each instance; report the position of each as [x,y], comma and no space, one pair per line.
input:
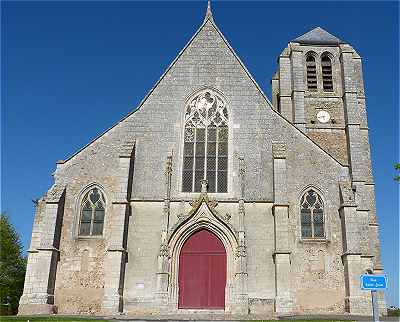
[318,36]
[208,19]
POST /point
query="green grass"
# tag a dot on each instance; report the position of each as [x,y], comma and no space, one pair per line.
[78,319]
[393,312]
[46,318]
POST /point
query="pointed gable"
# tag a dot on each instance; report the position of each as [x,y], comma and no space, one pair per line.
[207,59]
[208,33]
[318,36]
[206,62]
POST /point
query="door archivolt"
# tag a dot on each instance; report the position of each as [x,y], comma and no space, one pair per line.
[202,216]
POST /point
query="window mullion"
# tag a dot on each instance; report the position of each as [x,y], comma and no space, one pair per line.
[216,157]
[92,222]
[194,159]
[312,222]
[205,151]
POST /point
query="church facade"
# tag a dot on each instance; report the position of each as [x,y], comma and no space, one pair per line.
[210,199]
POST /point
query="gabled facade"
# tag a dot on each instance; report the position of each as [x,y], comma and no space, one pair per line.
[210,199]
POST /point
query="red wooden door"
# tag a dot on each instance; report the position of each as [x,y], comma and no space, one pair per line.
[202,272]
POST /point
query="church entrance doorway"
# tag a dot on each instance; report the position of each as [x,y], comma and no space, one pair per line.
[202,272]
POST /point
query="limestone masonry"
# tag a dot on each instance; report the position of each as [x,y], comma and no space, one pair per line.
[286,187]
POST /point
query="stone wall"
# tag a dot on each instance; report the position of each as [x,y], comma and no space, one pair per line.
[80,266]
[80,278]
[143,247]
[333,105]
[316,265]
[333,141]
[156,128]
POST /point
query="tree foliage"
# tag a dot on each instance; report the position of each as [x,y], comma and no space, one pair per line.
[397,167]
[12,265]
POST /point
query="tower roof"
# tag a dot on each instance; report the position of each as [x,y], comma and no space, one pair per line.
[318,36]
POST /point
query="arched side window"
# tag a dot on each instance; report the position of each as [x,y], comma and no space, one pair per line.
[311,73]
[205,154]
[92,211]
[327,80]
[312,215]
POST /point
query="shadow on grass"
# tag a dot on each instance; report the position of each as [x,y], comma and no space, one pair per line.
[47,318]
[78,319]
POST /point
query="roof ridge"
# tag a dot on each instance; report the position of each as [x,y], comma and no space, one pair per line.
[209,18]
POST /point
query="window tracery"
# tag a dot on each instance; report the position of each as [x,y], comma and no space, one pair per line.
[312,215]
[205,153]
[92,213]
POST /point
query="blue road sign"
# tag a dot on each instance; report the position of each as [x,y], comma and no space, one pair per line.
[373,282]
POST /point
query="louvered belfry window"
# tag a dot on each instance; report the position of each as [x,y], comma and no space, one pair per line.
[311,73]
[312,215]
[205,154]
[92,213]
[327,80]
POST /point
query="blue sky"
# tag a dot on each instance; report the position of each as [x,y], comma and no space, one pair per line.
[70,70]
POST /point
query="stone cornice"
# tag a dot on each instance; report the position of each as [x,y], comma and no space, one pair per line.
[116,249]
[284,205]
[120,202]
[280,252]
[351,253]
[48,249]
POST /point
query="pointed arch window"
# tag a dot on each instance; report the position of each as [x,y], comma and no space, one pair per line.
[92,213]
[311,73]
[327,79]
[205,154]
[312,215]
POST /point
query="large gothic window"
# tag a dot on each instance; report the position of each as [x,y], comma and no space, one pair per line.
[312,215]
[92,213]
[205,154]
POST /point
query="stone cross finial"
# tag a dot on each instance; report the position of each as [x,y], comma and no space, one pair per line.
[204,183]
[208,12]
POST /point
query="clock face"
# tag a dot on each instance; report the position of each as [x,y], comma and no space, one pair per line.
[323,116]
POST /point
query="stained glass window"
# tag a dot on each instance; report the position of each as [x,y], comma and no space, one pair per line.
[312,215]
[92,213]
[205,152]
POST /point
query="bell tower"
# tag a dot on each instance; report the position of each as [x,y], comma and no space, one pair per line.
[319,88]
[308,90]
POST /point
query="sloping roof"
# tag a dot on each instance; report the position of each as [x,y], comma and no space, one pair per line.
[318,36]
[208,19]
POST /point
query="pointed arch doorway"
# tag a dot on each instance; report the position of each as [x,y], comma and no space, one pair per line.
[202,272]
